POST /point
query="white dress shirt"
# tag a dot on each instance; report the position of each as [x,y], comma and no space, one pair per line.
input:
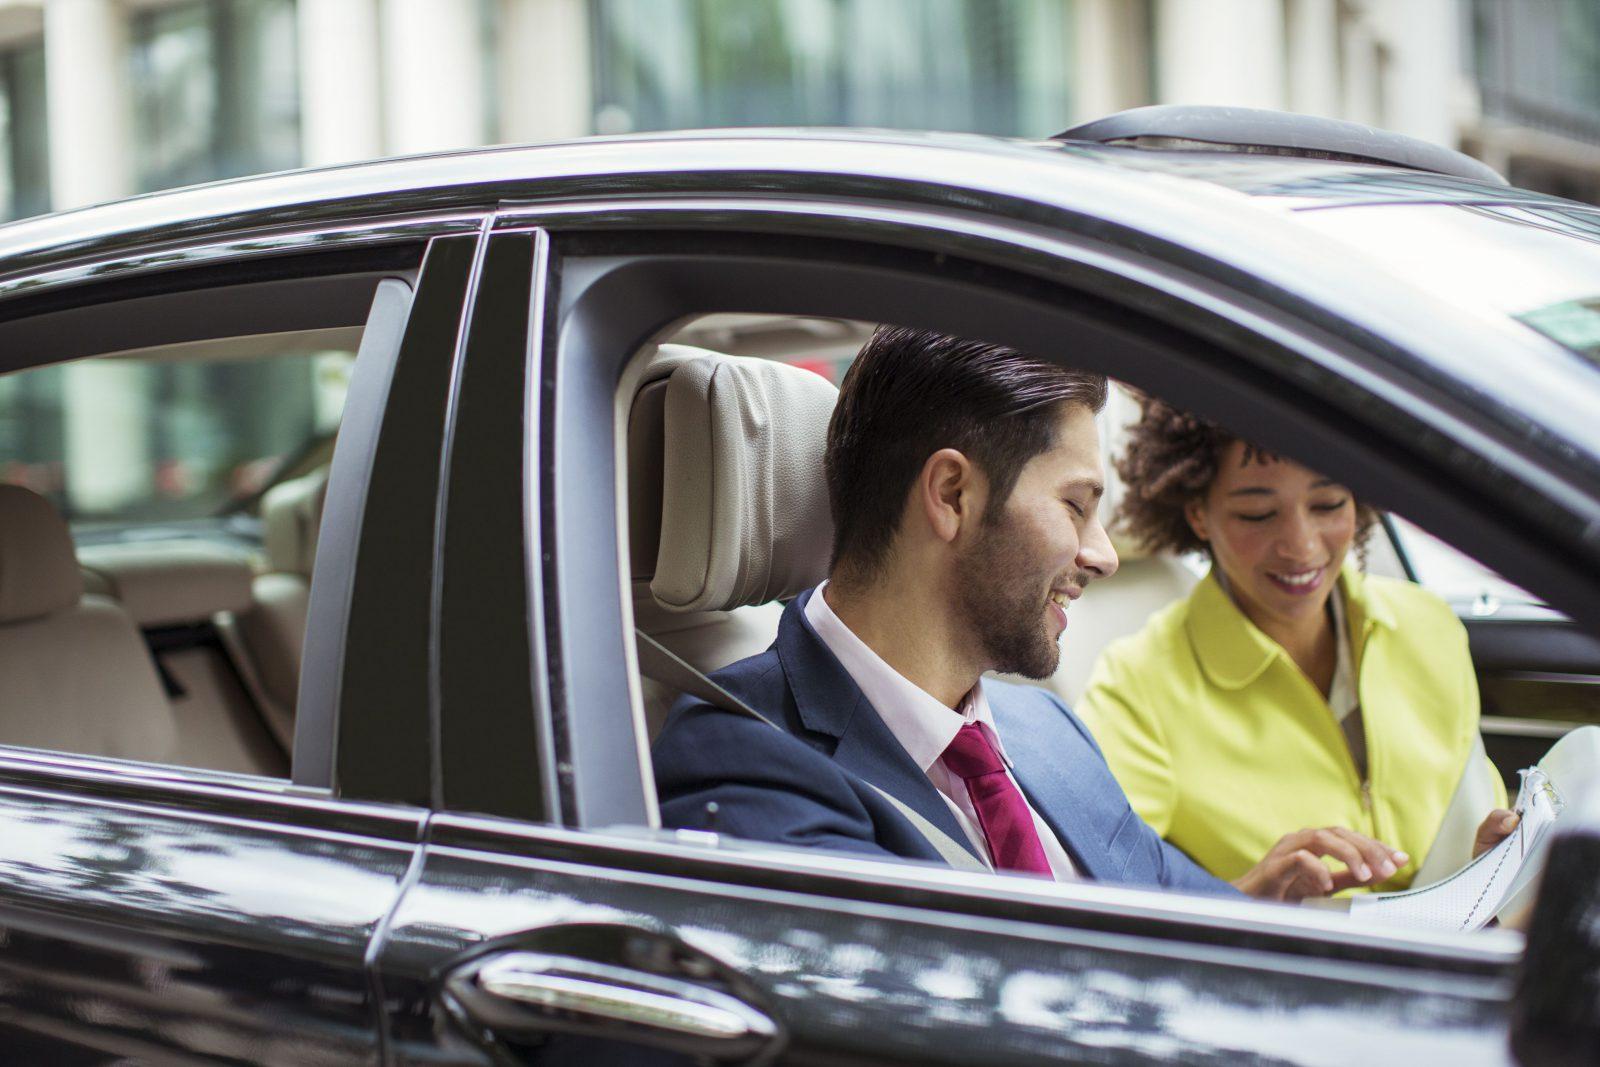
[925,727]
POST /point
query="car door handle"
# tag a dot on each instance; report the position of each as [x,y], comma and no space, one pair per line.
[524,994]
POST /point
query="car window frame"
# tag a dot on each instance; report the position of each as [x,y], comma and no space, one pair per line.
[235,286]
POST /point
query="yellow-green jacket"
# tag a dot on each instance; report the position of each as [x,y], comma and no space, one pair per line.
[1224,745]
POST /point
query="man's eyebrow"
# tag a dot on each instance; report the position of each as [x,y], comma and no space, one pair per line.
[1096,487]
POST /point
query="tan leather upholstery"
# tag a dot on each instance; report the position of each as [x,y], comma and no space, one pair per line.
[270,635]
[38,574]
[747,520]
[170,583]
[74,673]
[191,583]
[291,513]
[727,507]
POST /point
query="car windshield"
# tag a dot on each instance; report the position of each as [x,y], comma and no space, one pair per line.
[173,434]
[1536,264]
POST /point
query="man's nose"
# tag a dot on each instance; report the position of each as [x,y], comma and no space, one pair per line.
[1096,555]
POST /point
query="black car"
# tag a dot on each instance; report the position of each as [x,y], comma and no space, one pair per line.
[398,807]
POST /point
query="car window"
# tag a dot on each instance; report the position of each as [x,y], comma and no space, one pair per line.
[187,432]
[161,504]
[1146,585]
[1455,576]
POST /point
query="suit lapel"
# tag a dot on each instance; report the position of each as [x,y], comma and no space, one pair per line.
[1048,763]
[829,702]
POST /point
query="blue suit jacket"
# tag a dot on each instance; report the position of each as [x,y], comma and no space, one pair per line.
[807,784]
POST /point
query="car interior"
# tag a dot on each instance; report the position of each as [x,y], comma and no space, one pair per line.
[731,613]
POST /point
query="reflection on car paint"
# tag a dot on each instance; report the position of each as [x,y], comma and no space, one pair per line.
[832,974]
[154,934]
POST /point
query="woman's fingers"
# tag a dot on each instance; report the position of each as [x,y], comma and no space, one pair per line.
[1330,842]
[1304,875]
[1494,829]
[1366,860]
[1382,859]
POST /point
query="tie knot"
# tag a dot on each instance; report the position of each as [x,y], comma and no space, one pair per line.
[970,754]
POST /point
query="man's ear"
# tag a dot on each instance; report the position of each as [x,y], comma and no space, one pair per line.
[1195,512]
[947,494]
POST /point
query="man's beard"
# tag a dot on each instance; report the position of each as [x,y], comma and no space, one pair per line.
[1002,599]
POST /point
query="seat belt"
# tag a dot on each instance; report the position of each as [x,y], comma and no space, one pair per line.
[658,662]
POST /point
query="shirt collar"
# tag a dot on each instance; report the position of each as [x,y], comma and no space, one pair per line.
[1234,653]
[922,725]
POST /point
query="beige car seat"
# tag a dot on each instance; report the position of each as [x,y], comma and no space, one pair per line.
[268,637]
[174,591]
[75,675]
[727,505]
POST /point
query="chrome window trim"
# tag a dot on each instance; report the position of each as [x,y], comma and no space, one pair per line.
[255,244]
[217,794]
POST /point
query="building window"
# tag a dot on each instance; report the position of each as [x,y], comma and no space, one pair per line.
[24,152]
[216,90]
[1538,65]
[998,67]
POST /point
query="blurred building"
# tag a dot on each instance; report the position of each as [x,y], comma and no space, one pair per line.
[103,98]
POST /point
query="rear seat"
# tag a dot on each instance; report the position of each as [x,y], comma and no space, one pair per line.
[74,673]
[267,637]
[174,591]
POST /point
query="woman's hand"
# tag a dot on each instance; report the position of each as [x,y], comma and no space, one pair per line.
[1494,829]
[1293,869]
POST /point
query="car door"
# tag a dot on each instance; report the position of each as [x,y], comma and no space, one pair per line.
[1538,671]
[550,921]
[152,913]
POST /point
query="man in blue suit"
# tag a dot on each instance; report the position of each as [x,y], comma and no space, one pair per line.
[964,480]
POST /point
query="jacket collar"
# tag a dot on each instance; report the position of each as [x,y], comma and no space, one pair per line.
[829,702]
[1234,653]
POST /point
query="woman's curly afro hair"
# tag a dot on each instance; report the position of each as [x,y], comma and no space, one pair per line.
[1171,458]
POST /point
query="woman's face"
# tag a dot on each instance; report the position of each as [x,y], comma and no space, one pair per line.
[1278,531]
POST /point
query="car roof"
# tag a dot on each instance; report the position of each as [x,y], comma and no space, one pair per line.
[467,178]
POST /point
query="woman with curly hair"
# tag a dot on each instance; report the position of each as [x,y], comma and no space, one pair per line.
[1288,689]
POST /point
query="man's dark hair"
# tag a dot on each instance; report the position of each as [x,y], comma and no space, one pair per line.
[912,392]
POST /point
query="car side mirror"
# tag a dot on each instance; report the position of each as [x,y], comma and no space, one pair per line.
[1556,1008]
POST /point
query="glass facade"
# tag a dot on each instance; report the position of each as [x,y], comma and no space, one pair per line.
[1002,66]
[24,152]
[1538,64]
[215,90]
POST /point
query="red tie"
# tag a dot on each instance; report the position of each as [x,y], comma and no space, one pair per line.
[1002,813]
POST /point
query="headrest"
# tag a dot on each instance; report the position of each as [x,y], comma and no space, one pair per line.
[38,573]
[169,583]
[291,515]
[743,500]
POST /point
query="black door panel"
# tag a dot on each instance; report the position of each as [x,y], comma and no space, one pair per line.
[1538,676]
[172,934]
[873,982]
